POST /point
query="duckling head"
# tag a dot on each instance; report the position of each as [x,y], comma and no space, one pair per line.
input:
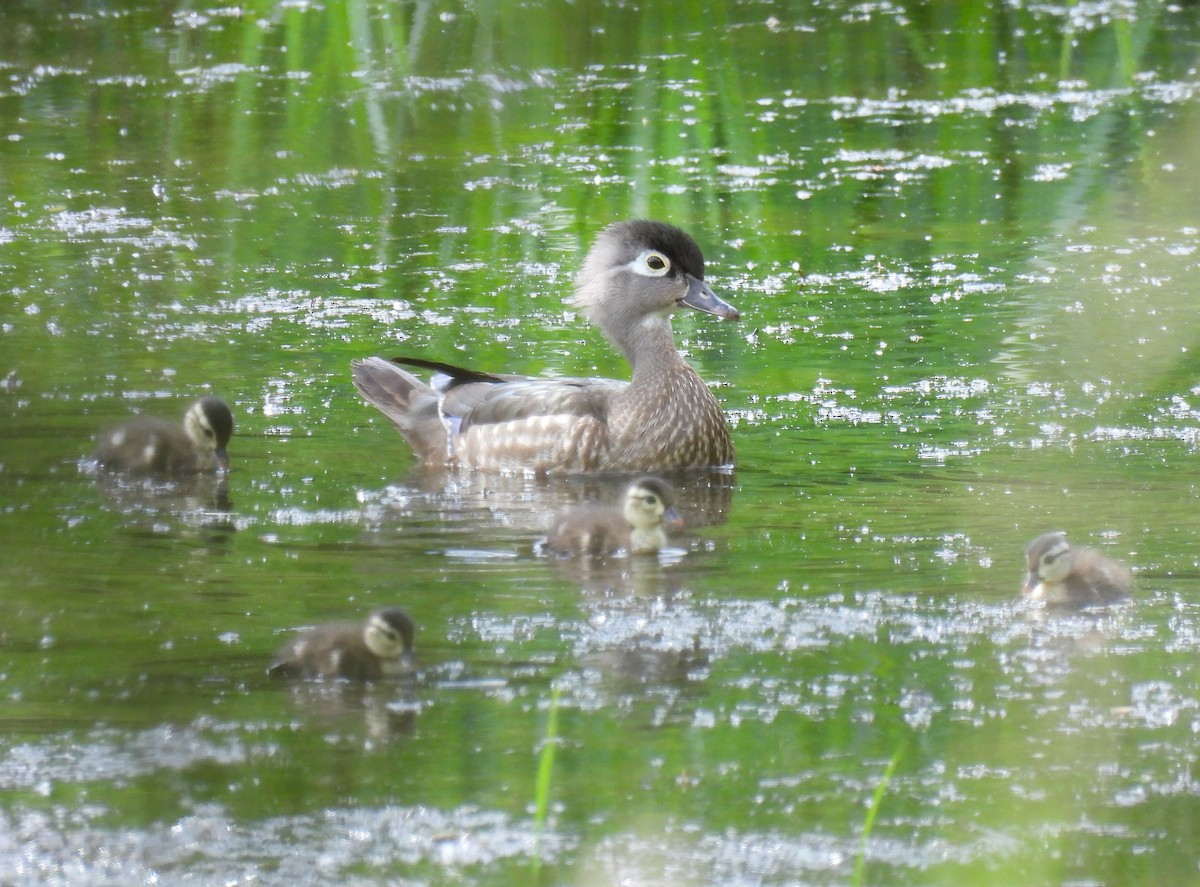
[209,425]
[1048,559]
[389,635]
[649,503]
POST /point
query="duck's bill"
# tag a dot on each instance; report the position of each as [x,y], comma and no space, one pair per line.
[701,297]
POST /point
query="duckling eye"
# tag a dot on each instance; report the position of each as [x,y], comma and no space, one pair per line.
[653,264]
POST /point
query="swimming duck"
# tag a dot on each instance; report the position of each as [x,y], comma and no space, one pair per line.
[636,527]
[1082,577]
[381,647]
[636,275]
[147,445]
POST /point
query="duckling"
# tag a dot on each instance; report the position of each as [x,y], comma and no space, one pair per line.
[381,647]
[1074,578]
[155,446]
[636,527]
[636,275]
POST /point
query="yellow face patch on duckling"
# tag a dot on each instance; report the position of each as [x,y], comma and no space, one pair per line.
[648,504]
[1049,561]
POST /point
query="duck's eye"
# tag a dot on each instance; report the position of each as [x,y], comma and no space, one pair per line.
[653,264]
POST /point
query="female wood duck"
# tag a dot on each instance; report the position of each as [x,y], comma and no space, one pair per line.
[1074,578]
[155,446]
[635,277]
[636,527]
[381,647]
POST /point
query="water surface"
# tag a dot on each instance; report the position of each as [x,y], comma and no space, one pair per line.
[964,244]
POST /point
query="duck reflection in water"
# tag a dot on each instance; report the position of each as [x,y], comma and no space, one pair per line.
[1073,578]
[504,514]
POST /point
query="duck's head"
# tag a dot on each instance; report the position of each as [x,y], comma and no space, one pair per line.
[1048,559]
[649,503]
[209,425]
[388,634]
[641,271]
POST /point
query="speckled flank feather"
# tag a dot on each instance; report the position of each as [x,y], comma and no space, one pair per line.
[635,276]
[543,444]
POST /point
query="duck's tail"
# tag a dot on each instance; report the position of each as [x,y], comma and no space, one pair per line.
[409,403]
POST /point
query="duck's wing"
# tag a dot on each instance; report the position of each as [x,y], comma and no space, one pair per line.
[502,422]
[519,400]
[470,398]
[454,375]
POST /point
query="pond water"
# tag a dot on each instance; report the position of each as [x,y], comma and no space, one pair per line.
[964,242]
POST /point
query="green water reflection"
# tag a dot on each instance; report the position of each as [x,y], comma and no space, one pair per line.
[963,239]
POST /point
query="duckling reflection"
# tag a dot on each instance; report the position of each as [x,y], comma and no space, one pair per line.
[645,640]
[154,446]
[1073,578]
[646,661]
[380,711]
[381,647]
[636,527]
[195,506]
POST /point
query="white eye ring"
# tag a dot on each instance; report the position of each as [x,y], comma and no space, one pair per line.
[652,263]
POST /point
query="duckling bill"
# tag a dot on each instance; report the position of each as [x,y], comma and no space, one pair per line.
[637,527]
[1073,577]
[154,446]
[636,275]
[381,647]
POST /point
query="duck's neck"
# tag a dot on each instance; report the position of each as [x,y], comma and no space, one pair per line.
[649,346]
